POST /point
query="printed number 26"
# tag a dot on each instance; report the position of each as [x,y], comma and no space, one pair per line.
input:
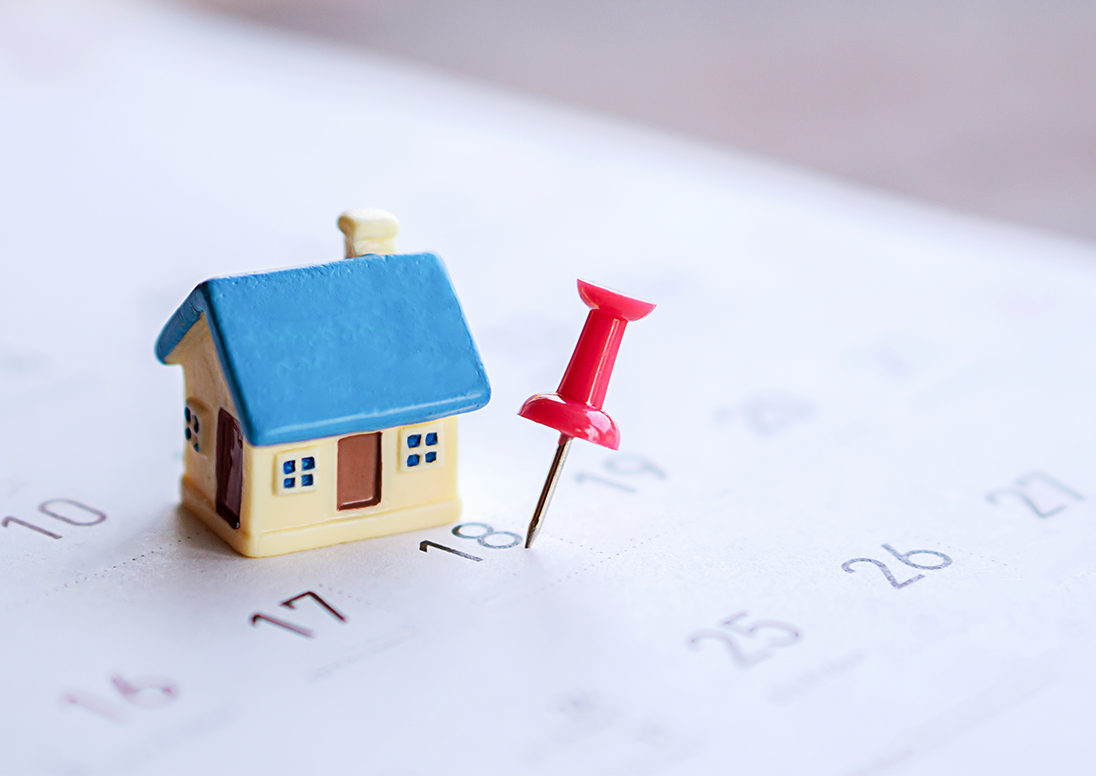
[903,557]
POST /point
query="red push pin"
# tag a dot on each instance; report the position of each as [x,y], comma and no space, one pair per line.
[574,409]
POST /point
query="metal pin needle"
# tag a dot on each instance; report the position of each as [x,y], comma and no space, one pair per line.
[549,488]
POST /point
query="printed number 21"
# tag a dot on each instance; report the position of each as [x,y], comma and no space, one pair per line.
[1050,491]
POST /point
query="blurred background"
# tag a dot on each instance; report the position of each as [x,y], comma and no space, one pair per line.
[985,106]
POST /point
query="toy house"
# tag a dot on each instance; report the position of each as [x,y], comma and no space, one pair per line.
[321,401]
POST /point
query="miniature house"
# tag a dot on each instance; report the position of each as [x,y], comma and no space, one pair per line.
[321,401]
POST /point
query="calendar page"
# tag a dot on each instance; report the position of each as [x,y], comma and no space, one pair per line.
[849,529]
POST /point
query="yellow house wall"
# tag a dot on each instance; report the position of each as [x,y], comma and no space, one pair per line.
[410,499]
[272,524]
[205,389]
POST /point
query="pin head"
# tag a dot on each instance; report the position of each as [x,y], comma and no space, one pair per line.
[575,408]
[613,303]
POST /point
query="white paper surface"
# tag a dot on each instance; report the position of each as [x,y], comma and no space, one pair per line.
[828,371]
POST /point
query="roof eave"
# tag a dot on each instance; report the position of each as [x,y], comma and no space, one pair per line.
[288,435]
[181,322]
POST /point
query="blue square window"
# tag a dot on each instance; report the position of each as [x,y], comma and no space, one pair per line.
[306,480]
[412,460]
[186,414]
[288,482]
[431,457]
[289,467]
[414,440]
[431,439]
[308,464]
[188,434]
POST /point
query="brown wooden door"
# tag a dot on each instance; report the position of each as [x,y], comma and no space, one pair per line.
[360,471]
[230,468]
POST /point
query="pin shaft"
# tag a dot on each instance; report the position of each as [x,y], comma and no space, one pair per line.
[549,488]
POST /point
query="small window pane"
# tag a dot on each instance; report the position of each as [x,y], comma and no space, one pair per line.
[306,480]
[414,440]
[287,482]
[307,464]
[412,460]
[431,457]
[289,467]
[431,439]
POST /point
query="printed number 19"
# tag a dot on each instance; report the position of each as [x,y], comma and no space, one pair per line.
[627,465]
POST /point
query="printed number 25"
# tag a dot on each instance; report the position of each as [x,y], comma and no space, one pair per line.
[744,658]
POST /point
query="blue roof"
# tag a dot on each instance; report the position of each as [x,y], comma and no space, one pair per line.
[352,346]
